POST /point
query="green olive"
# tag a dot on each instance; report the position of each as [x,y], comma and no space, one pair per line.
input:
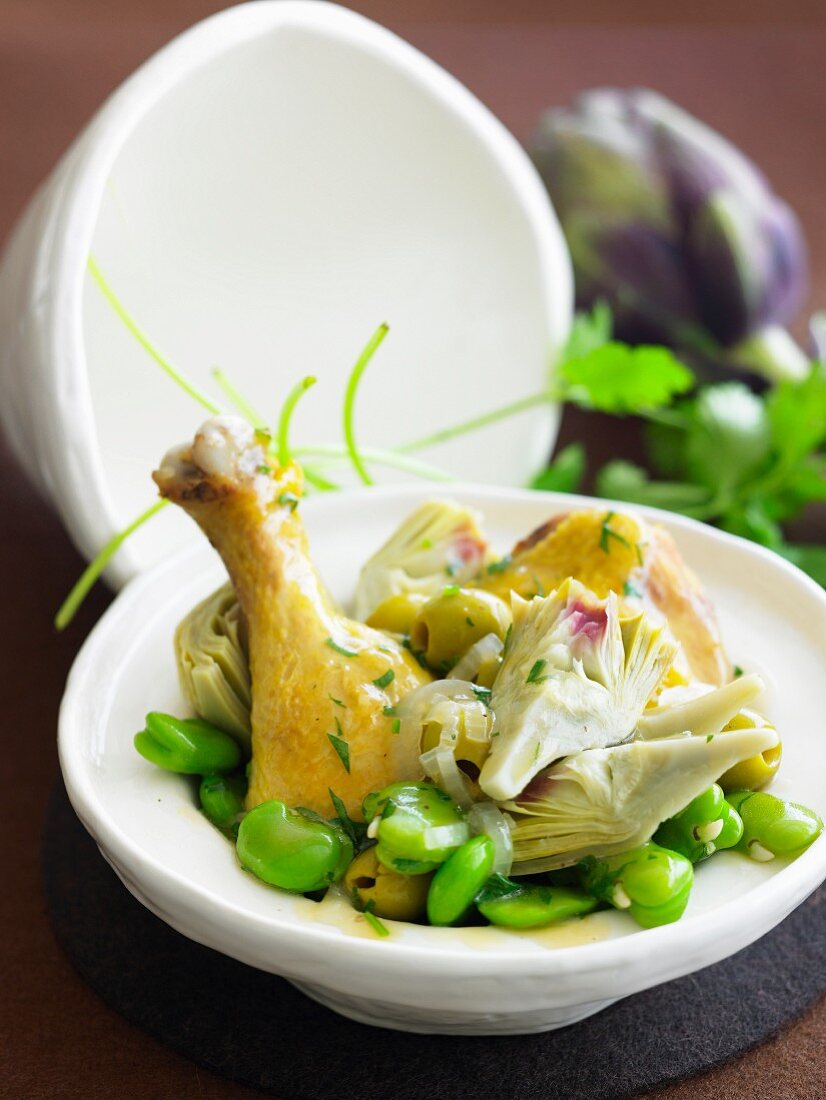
[396,613]
[394,896]
[450,623]
[757,771]
[284,848]
[472,731]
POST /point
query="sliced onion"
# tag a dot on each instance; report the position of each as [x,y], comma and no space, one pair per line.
[486,649]
[446,836]
[440,766]
[414,708]
[487,818]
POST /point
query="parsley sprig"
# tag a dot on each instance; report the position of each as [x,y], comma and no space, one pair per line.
[749,463]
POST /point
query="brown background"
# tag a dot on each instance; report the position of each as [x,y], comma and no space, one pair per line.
[755,70]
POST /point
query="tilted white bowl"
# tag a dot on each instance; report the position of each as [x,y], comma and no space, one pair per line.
[475,980]
[261,195]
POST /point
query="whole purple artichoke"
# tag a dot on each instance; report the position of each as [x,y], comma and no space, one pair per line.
[675,228]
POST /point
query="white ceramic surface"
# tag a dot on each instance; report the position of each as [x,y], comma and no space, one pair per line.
[262,194]
[479,980]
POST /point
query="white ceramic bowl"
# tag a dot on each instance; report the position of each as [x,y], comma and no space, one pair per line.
[477,980]
[262,194]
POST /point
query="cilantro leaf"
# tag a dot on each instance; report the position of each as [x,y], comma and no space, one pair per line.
[620,480]
[619,379]
[753,520]
[589,331]
[797,416]
[565,473]
[665,443]
[729,436]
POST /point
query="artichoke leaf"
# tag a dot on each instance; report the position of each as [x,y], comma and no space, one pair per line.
[604,801]
[213,664]
[706,713]
[439,543]
[574,677]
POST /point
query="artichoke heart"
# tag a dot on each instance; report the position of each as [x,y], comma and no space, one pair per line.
[213,664]
[575,676]
[439,543]
[604,801]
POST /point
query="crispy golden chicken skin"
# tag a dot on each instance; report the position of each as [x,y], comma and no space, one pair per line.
[320,682]
[619,552]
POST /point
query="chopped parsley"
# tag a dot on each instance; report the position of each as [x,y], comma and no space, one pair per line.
[341,746]
[397,725]
[450,569]
[710,737]
[481,693]
[535,675]
[738,672]
[264,469]
[407,866]
[289,500]
[389,711]
[470,621]
[628,589]
[451,590]
[608,533]
[337,702]
[355,830]
[378,926]
[340,648]
[427,544]
[385,679]
[499,566]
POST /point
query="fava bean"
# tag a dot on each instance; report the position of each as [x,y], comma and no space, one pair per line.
[459,880]
[287,849]
[707,824]
[519,905]
[222,801]
[650,882]
[187,745]
[773,827]
[418,826]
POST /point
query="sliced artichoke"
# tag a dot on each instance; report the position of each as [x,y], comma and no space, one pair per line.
[437,544]
[213,665]
[604,801]
[574,676]
[707,712]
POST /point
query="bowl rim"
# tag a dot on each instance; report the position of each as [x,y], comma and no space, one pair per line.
[89,514]
[667,951]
